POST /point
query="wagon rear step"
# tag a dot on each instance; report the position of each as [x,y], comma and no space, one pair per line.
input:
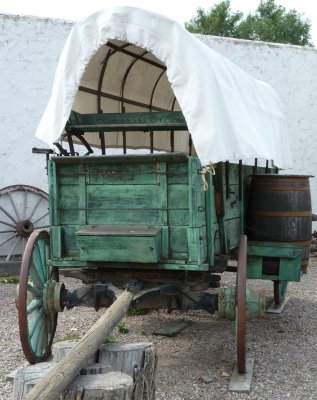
[120,243]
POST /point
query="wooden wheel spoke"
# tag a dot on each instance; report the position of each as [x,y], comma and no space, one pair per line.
[35,304]
[14,206]
[38,262]
[40,218]
[7,240]
[40,343]
[13,248]
[36,336]
[8,215]
[25,202]
[43,254]
[36,279]
[8,224]
[33,290]
[35,208]
[45,336]
[33,323]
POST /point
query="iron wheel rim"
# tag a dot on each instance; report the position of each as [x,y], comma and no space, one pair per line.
[241,305]
[37,329]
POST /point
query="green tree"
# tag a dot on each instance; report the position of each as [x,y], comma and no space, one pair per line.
[218,21]
[270,22]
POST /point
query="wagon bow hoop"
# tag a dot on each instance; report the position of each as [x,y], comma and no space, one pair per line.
[203,171]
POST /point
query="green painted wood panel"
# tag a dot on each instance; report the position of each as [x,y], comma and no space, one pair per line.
[117,122]
[178,242]
[70,245]
[154,191]
[56,241]
[146,249]
[177,200]
[130,174]
[177,173]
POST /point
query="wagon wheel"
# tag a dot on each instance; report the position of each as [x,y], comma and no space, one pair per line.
[39,298]
[22,209]
[280,288]
[241,304]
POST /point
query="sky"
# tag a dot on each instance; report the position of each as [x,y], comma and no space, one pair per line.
[181,10]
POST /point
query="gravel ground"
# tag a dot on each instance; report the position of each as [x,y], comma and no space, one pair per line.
[284,346]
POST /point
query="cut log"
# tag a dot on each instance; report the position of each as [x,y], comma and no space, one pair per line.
[123,357]
[58,379]
[144,378]
[138,360]
[95,369]
[60,349]
[26,378]
[110,386]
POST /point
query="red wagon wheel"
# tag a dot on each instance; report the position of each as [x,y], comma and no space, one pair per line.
[39,298]
[241,305]
[23,208]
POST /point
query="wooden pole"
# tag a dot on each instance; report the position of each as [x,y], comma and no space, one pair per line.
[62,375]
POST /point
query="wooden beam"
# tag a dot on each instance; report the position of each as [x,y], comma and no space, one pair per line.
[117,122]
[62,375]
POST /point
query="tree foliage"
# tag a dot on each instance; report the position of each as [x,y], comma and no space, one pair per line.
[270,22]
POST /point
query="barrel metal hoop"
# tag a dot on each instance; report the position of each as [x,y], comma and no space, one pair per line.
[280,213]
[282,188]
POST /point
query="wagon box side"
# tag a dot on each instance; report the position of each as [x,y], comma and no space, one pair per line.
[124,210]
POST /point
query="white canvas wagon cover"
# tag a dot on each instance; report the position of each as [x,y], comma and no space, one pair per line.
[127,59]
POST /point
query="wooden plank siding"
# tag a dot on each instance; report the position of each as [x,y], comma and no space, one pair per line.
[158,190]
[153,192]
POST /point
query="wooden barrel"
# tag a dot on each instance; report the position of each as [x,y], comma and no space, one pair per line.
[279,209]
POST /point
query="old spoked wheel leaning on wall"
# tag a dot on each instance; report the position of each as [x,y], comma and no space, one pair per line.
[39,298]
[23,208]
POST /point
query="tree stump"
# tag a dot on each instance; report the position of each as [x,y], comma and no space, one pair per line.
[138,360]
[26,378]
[60,349]
[110,386]
[123,372]
[60,377]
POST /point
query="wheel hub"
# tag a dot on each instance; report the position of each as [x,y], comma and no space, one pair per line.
[52,297]
[24,228]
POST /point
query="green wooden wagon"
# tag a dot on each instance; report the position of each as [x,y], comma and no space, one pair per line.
[162,217]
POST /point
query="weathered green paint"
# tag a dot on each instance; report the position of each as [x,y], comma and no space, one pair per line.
[152,191]
[116,122]
[171,265]
[164,191]
[129,247]
[255,303]
[56,241]
[288,255]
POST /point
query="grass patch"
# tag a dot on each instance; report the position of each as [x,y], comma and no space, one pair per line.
[136,311]
[110,339]
[71,336]
[122,328]
[10,279]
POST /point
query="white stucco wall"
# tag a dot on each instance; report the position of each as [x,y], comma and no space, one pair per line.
[29,50]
